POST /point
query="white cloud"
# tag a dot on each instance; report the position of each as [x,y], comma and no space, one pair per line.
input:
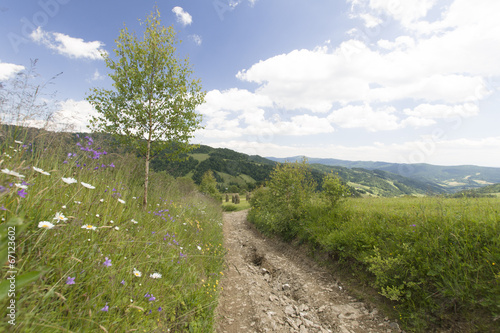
[7,70]
[434,111]
[363,116]
[183,17]
[68,46]
[97,76]
[236,112]
[196,39]
[74,114]
[438,151]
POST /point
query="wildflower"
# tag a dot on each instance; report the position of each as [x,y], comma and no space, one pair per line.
[41,171]
[137,273]
[117,228]
[22,193]
[105,308]
[87,185]
[24,187]
[45,224]
[159,309]
[107,262]
[152,298]
[97,215]
[112,165]
[60,217]
[121,201]
[102,200]
[78,202]
[12,173]
[89,227]
[135,222]
[70,280]
[198,247]
[69,180]
[155,275]
[111,221]
[18,142]
[123,282]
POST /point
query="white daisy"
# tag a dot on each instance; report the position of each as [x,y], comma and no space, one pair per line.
[137,273]
[12,173]
[60,217]
[155,275]
[198,247]
[41,171]
[117,228]
[69,180]
[121,201]
[24,187]
[135,222]
[18,142]
[87,185]
[88,227]
[45,224]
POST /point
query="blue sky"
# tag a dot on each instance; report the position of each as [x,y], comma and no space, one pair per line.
[413,81]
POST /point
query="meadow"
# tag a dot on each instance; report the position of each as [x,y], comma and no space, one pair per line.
[86,256]
[435,260]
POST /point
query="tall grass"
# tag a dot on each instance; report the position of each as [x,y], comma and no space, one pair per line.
[437,260]
[106,264]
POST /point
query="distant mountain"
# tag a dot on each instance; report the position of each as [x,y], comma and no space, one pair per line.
[450,178]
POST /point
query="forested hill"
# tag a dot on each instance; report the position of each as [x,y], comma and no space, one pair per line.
[231,169]
[237,171]
[449,178]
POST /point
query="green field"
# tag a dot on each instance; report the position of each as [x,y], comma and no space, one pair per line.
[436,260]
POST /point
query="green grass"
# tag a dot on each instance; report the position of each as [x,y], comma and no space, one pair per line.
[199,156]
[437,260]
[179,235]
[230,207]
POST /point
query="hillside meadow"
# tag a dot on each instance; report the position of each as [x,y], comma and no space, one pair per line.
[435,260]
[86,256]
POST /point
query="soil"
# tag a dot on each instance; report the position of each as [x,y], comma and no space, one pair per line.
[271,286]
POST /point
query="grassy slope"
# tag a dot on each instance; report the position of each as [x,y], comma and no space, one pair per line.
[179,236]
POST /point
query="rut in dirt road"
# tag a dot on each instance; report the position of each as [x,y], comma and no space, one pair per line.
[270,286]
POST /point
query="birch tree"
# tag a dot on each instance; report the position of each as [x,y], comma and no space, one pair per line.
[153,100]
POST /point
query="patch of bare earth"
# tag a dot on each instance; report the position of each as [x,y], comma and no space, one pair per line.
[269,286]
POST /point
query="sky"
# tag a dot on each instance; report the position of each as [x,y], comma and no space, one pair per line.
[414,81]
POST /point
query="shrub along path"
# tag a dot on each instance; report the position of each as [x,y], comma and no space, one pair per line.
[270,286]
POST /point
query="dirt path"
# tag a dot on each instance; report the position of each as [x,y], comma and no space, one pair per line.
[271,287]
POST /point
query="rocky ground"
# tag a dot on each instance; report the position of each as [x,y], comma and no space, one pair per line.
[270,286]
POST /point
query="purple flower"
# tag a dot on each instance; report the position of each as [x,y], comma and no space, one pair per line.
[78,144]
[105,308]
[70,280]
[22,193]
[159,309]
[107,262]
[112,165]
[152,298]
[147,295]
[65,162]
[123,282]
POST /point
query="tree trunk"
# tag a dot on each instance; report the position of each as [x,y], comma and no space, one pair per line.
[146,179]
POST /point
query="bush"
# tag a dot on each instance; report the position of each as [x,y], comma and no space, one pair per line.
[229,208]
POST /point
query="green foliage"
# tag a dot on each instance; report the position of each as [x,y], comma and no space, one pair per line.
[153,104]
[333,190]
[287,195]
[229,207]
[78,275]
[208,186]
